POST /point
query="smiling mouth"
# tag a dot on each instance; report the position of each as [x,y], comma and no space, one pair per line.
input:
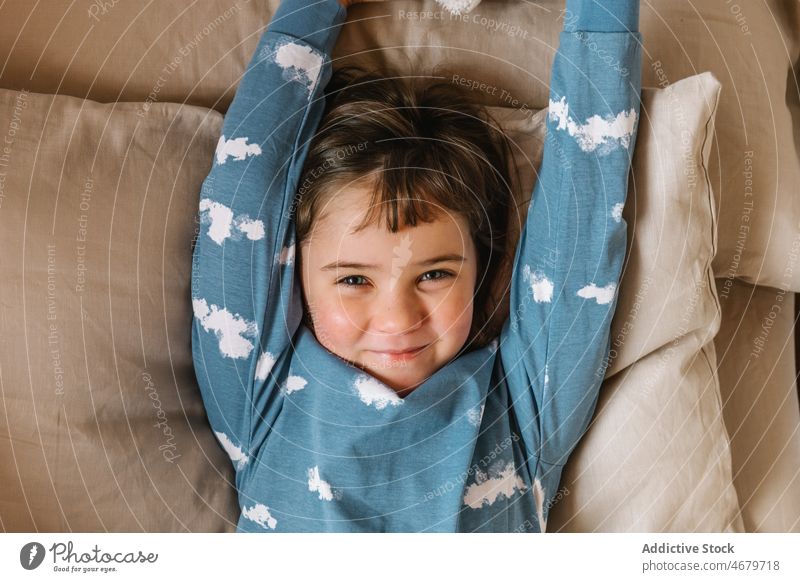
[401,354]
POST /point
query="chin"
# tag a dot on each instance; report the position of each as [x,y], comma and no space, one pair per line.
[402,387]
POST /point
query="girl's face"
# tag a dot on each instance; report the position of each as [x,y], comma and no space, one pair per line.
[374,292]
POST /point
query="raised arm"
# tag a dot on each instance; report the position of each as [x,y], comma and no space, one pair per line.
[568,263]
[246,306]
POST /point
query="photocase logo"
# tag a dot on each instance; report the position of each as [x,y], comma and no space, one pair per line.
[31,555]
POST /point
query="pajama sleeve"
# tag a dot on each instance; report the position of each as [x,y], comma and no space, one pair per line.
[246,306]
[569,259]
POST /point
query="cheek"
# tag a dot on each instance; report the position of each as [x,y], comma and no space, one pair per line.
[454,313]
[334,325]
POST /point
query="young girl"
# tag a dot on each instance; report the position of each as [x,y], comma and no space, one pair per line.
[353,394]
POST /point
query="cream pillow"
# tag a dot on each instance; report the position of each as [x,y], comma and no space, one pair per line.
[656,457]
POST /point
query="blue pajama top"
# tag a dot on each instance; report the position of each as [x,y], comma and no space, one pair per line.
[321,445]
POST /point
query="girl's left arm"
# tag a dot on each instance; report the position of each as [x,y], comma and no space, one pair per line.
[568,263]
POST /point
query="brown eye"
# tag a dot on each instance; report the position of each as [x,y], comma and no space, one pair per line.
[442,275]
[347,281]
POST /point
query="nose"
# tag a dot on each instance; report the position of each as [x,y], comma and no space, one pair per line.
[398,313]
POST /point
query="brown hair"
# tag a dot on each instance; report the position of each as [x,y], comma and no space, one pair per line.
[428,146]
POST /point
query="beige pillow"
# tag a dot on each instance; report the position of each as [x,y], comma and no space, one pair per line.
[758,386]
[656,456]
[104,423]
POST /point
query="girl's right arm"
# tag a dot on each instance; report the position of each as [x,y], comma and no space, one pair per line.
[246,305]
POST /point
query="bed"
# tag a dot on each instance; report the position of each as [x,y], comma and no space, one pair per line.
[110,113]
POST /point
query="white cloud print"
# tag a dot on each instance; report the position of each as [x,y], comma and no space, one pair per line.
[602,295]
[231,330]
[260,514]
[375,393]
[223,224]
[597,133]
[541,286]
[294,383]
[265,363]
[236,148]
[300,63]
[616,211]
[322,487]
[237,455]
[486,490]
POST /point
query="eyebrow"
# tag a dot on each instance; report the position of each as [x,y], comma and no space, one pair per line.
[427,262]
